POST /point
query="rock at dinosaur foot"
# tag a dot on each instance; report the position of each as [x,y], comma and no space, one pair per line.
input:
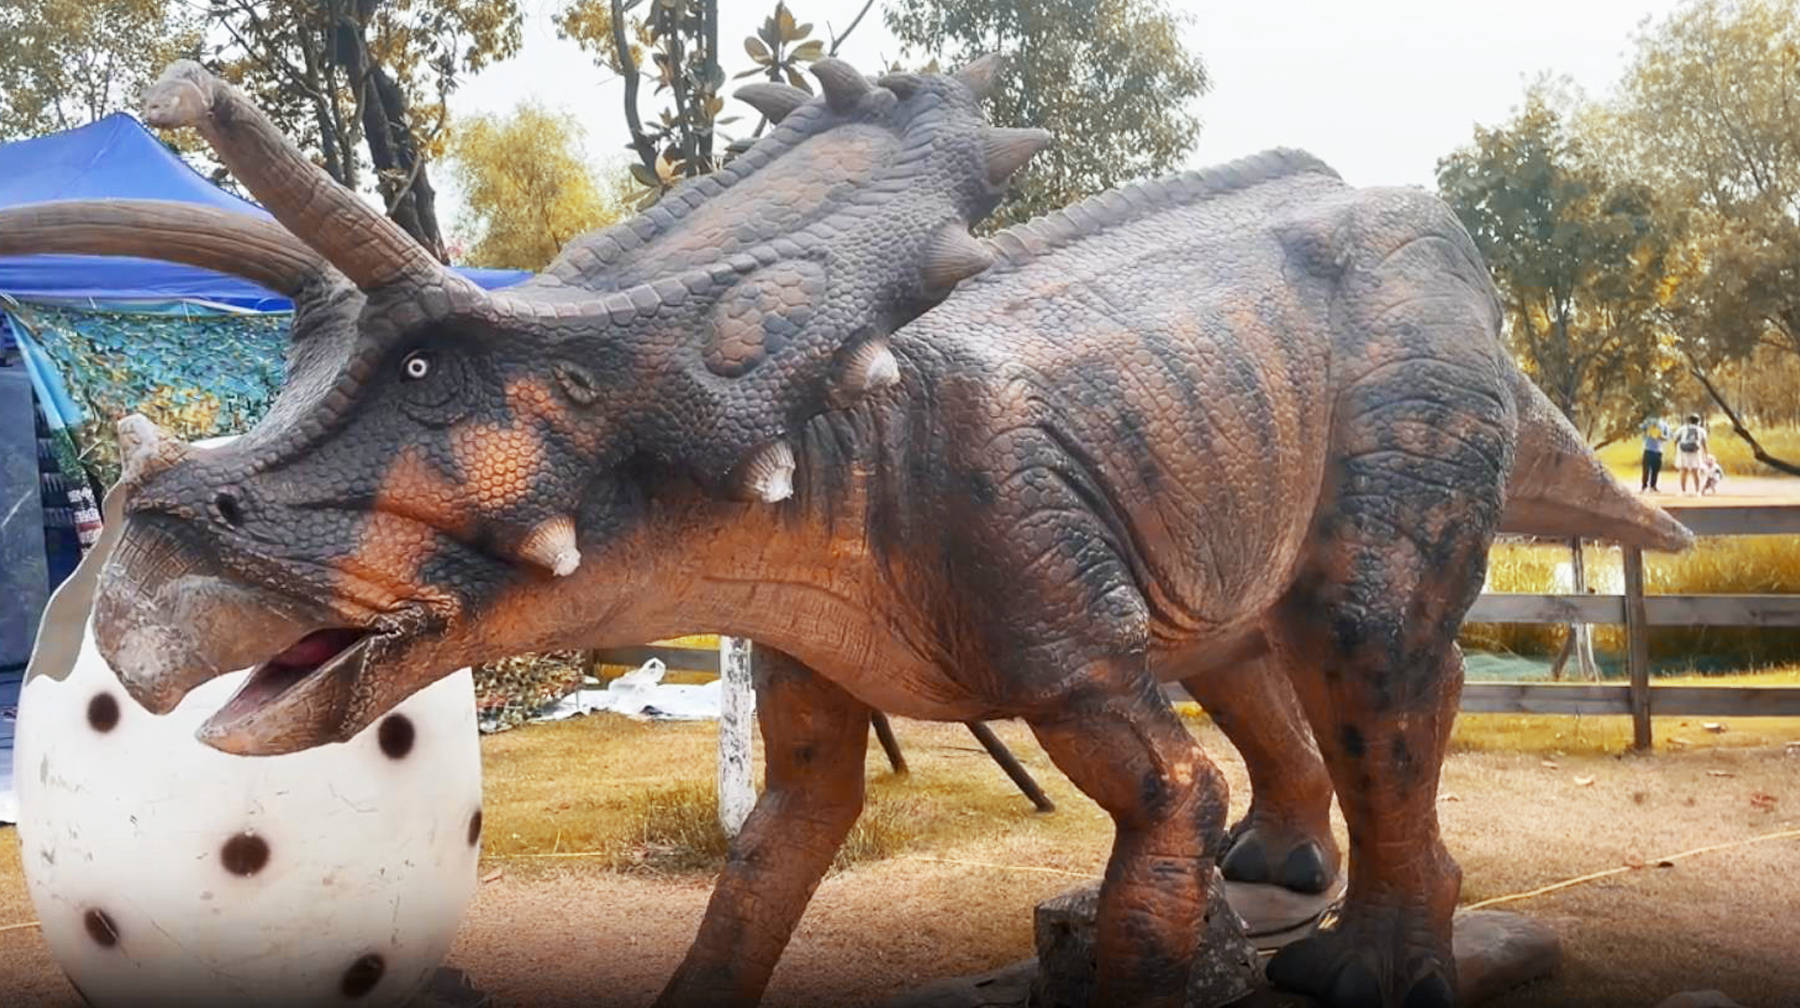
[1225,966]
[1497,951]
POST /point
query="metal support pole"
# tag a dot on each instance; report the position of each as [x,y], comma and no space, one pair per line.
[1010,763]
[884,733]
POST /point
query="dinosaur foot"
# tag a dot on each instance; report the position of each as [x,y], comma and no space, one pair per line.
[1372,958]
[1272,855]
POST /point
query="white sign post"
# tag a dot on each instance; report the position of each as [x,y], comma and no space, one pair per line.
[737,705]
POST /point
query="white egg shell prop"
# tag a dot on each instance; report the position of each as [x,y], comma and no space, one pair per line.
[166,872]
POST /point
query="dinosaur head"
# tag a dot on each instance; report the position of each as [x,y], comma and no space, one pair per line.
[440,460]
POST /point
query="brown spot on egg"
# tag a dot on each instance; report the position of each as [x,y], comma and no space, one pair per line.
[396,736]
[244,854]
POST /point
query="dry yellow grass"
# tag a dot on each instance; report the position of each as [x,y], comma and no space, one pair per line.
[963,861]
[1721,566]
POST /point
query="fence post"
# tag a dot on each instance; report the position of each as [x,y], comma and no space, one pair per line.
[1637,649]
[737,705]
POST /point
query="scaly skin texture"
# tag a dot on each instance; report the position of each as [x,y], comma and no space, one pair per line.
[1208,428]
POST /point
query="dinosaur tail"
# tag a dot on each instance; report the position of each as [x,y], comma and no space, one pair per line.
[1559,488]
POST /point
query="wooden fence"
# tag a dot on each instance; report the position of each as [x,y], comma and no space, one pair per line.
[1638,612]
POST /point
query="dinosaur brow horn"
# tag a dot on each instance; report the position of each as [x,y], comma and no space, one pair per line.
[258,250]
[368,247]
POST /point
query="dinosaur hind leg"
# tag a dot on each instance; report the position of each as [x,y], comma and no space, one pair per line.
[1367,631]
[1285,838]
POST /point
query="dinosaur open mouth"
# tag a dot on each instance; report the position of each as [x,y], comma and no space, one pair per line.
[301,693]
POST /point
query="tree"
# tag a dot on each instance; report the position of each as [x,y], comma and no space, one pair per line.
[66,63]
[342,74]
[1579,259]
[681,38]
[528,186]
[1110,78]
[1709,111]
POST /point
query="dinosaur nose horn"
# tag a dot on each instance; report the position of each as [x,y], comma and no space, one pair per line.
[146,449]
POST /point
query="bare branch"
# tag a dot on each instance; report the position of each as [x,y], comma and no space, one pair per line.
[646,152]
[838,40]
[1737,423]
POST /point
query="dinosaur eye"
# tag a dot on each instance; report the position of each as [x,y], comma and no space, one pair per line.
[416,365]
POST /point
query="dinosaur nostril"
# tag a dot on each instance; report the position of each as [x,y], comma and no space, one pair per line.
[229,510]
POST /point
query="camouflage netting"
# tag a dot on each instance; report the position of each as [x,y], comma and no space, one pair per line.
[508,692]
[204,374]
[197,374]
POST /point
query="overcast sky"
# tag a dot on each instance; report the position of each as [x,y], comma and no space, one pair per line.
[1378,88]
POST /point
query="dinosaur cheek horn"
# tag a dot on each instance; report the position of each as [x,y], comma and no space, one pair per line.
[368,247]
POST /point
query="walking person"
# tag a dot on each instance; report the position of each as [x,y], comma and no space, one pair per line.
[1691,452]
[1655,433]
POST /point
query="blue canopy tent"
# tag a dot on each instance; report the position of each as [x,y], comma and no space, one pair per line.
[117,158]
[85,338]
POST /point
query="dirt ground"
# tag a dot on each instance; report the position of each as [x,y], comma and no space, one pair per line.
[957,897]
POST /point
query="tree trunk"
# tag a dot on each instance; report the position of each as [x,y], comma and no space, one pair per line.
[399,166]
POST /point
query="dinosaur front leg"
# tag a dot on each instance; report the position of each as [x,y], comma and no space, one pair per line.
[814,739]
[1285,838]
[1129,752]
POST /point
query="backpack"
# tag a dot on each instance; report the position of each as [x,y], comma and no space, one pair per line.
[1688,438]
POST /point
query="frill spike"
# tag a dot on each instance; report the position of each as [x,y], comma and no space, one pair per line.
[870,368]
[1008,148]
[773,100]
[953,256]
[551,545]
[844,86]
[768,474]
[980,73]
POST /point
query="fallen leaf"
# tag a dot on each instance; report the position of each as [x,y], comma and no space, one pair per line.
[1714,727]
[1665,863]
[1549,764]
[1447,796]
[1583,781]
[1720,773]
[1762,801]
[493,876]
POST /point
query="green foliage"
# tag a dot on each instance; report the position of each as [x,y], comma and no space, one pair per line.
[1110,78]
[681,39]
[1710,111]
[527,186]
[65,63]
[1579,260]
